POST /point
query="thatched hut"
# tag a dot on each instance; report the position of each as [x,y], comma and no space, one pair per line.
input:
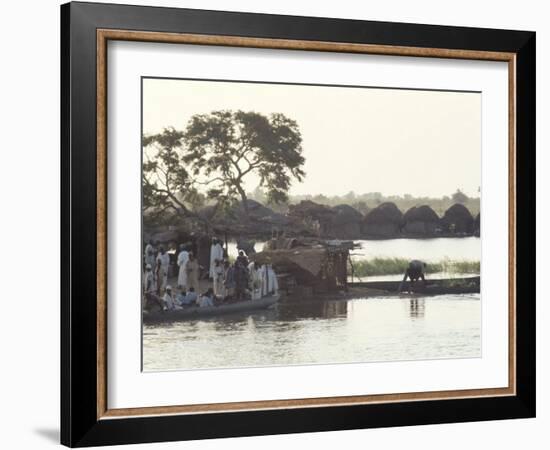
[318,264]
[421,220]
[383,221]
[340,222]
[477,225]
[261,219]
[314,217]
[457,219]
[346,224]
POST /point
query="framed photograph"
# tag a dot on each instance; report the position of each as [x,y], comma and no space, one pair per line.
[276,224]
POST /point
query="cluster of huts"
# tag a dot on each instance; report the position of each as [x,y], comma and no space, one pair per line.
[384,221]
[310,245]
[310,219]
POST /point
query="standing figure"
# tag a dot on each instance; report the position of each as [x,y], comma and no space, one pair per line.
[216,254]
[228,279]
[414,271]
[192,269]
[149,257]
[163,263]
[241,280]
[183,257]
[255,273]
[219,290]
[242,259]
[270,284]
[149,298]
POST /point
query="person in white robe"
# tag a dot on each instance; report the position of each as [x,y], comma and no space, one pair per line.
[270,284]
[219,289]
[273,283]
[216,253]
[255,271]
[163,263]
[183,257]
[207,299]
[192,268]
[168,301]
[148,280]
[150,254]
[148,285]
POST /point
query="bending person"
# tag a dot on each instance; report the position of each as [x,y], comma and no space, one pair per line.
[414,271]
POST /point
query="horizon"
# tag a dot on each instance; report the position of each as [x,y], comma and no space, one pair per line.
[426,143]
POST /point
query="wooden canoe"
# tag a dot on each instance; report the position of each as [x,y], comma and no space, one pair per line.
[468,285]
[194,312]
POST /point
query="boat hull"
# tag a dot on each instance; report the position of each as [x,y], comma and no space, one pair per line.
[195,312]
[468,285]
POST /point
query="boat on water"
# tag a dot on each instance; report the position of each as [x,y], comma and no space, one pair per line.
[193,312]
[442,286]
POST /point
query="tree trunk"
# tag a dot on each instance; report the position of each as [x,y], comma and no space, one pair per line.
[244,201]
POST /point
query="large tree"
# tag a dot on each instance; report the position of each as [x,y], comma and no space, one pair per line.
[167,184]
[223,148]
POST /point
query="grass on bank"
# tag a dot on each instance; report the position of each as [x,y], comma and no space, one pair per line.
[395,266]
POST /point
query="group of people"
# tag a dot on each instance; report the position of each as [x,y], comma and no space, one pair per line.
[157,266]
[238,281]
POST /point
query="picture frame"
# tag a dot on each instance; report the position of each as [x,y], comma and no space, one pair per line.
[86,419]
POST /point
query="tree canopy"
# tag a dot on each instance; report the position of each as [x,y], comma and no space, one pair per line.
[460,197]
[215,154]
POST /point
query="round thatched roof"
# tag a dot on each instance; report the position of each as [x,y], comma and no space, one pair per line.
[346,214]
[255,209]
[421,214]
[307,208]
[457,213]
[384,213]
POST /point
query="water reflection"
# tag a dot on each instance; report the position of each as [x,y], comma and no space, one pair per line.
[316,332]
[313,309]
[417,306]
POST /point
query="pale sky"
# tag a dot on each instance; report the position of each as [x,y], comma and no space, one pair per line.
[393,141]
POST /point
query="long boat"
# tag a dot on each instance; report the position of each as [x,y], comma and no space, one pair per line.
[441,286]
[192,312]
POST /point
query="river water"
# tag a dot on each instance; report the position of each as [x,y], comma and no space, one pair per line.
[332,331]
[321,332]
[429,250]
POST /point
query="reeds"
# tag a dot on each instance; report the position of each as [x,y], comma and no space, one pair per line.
[394,266]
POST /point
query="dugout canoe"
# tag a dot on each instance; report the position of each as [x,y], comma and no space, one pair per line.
[442,286]
[194,312]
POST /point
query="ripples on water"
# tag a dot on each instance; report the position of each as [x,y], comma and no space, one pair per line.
[321,332]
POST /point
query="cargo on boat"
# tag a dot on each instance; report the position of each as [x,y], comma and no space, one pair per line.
[307,265]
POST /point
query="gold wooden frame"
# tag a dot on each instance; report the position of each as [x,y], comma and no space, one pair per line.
[104,35]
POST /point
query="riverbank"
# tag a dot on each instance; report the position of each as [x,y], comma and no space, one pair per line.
[395,266]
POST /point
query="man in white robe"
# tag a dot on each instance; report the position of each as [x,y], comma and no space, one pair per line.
[150,254]
[148,284]
[270,284]
[163,263]
[219,271]
[183,257]
[255,271]
[216,253]
[168,300]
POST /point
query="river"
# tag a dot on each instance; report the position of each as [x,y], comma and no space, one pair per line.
[429,250]
[337,331]
[316,332]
